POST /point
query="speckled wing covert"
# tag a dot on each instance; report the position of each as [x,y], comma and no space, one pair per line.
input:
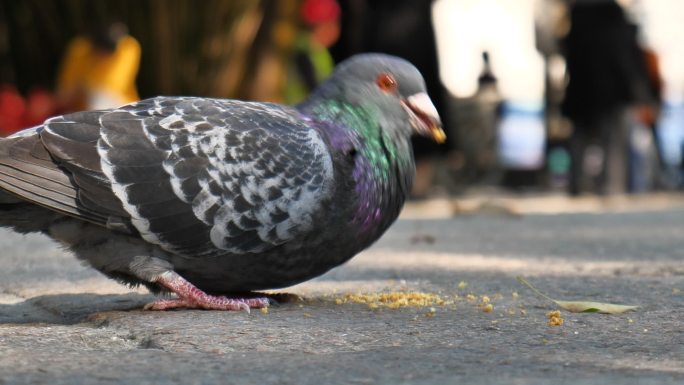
[195,176]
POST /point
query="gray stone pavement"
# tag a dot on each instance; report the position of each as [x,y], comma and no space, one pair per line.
[63,323]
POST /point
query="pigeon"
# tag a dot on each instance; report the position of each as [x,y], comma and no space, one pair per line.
[214,199]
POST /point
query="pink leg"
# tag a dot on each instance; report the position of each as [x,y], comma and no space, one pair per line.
[189,296]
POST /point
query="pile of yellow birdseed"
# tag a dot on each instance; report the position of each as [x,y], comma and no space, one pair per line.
[395,299]
[555,318]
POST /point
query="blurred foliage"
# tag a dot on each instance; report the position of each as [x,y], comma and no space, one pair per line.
[210,47]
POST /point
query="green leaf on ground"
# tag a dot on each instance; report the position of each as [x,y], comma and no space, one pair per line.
[581,306]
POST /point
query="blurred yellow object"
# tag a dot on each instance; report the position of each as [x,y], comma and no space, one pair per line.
[91,78]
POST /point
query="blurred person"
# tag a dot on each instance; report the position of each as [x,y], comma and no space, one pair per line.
[607,80]
[311,61]
[649,115]
[99,70]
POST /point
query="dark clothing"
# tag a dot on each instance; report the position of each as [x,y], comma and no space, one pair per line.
[610,133]
[604,63]
[607,75]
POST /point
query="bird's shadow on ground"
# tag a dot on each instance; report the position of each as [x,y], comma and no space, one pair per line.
[68,309]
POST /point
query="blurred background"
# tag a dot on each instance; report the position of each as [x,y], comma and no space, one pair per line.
[577,96]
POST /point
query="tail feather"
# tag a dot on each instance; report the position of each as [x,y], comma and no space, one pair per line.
[28,173]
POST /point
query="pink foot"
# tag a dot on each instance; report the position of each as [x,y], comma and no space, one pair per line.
[190,297]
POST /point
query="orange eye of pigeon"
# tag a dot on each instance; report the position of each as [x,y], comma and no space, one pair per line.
[386,82]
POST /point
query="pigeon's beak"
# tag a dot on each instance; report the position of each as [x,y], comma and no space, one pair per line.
[423,116]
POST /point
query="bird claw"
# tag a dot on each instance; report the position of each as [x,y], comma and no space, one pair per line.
[245,307]
[209,303]
[190,297]
[166,304]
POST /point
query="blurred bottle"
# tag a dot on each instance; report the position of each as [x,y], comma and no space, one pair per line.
[479,143]
[486,78]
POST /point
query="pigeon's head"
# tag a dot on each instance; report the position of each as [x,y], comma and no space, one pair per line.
[392,86]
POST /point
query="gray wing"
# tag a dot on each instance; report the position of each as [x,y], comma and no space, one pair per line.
[196,176]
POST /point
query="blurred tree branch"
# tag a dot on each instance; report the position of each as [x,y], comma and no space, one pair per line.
[209,48]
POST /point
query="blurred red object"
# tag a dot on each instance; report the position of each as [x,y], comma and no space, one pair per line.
[320,11]
[16,113]
[12,110]
[40,105]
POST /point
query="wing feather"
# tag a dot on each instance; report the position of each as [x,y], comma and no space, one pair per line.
[252,175]
[195,176]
